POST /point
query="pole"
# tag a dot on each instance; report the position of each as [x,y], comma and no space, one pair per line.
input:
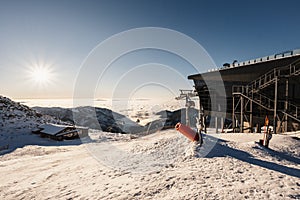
[200,116]
[187,121]
[275,105]
[242,114]
[251,116]
[215,110]
[286,104]
[233,112]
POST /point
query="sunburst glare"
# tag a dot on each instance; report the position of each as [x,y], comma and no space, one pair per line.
[41,74]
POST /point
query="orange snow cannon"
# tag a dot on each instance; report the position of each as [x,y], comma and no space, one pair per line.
[187,131]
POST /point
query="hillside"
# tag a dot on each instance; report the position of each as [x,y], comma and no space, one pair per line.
[17,122]
[14,115]
[164,165]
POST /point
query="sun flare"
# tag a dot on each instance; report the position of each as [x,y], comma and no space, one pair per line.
[40,75]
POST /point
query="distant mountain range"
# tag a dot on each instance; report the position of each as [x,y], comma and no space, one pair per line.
[93,117]
[14,116]
[110,121]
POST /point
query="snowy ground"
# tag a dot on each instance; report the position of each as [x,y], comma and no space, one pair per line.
[164,165]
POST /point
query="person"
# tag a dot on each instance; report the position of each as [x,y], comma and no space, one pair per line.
[200,137]
[268,137]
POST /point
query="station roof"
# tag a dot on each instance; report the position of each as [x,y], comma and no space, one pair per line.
[251,69]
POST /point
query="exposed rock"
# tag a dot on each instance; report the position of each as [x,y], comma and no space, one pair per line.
[94,118]
[14,116]
[110,121]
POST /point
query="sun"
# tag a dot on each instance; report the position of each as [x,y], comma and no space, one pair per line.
[41,75]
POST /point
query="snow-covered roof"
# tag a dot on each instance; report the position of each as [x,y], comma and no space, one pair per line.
[52,129]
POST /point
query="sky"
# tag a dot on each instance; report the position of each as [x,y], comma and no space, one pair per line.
[46,45]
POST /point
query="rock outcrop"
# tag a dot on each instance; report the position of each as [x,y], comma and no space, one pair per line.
[15,116]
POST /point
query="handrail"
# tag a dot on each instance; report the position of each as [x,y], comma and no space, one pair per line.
[270,109]
[269,77]
[291,116]
[243,90]
[258,103]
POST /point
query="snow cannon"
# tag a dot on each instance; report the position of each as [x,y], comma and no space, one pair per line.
[187,132]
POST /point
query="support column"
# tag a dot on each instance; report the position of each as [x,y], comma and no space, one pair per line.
[187,119]
[286,104]
[233,113]
[251,116]
[221,118]
[215,110]
[275,106]
[216,124]
[242,115]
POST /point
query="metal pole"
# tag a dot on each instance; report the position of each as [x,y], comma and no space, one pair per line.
[275,105]
[216,124]
[233,113]
[286,104]
[215,109]
[251,116]
[200,116]
[221,118]
[187,121]
[242,114]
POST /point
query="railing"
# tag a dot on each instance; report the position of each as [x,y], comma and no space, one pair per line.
[284,106]
[270,77]
[281,104]
[264,80]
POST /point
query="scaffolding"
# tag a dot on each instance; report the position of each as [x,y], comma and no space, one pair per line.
[261,97]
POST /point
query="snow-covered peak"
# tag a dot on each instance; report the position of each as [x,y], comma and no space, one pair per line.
[15,116]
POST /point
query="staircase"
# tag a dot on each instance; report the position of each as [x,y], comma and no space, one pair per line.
[268,104]
[252,91]
[270,77]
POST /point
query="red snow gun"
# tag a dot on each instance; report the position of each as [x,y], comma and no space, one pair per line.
[187,131]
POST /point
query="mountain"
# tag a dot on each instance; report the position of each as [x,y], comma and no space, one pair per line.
[15,116]
[93,117]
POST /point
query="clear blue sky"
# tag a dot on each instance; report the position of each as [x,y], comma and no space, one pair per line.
[59,34]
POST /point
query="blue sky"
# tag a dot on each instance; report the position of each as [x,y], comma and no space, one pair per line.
[59,35]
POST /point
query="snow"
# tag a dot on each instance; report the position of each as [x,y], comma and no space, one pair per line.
[51,129]
[162,165]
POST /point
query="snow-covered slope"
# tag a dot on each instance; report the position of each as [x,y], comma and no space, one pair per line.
[16,124]
[164,165]
[15,116]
